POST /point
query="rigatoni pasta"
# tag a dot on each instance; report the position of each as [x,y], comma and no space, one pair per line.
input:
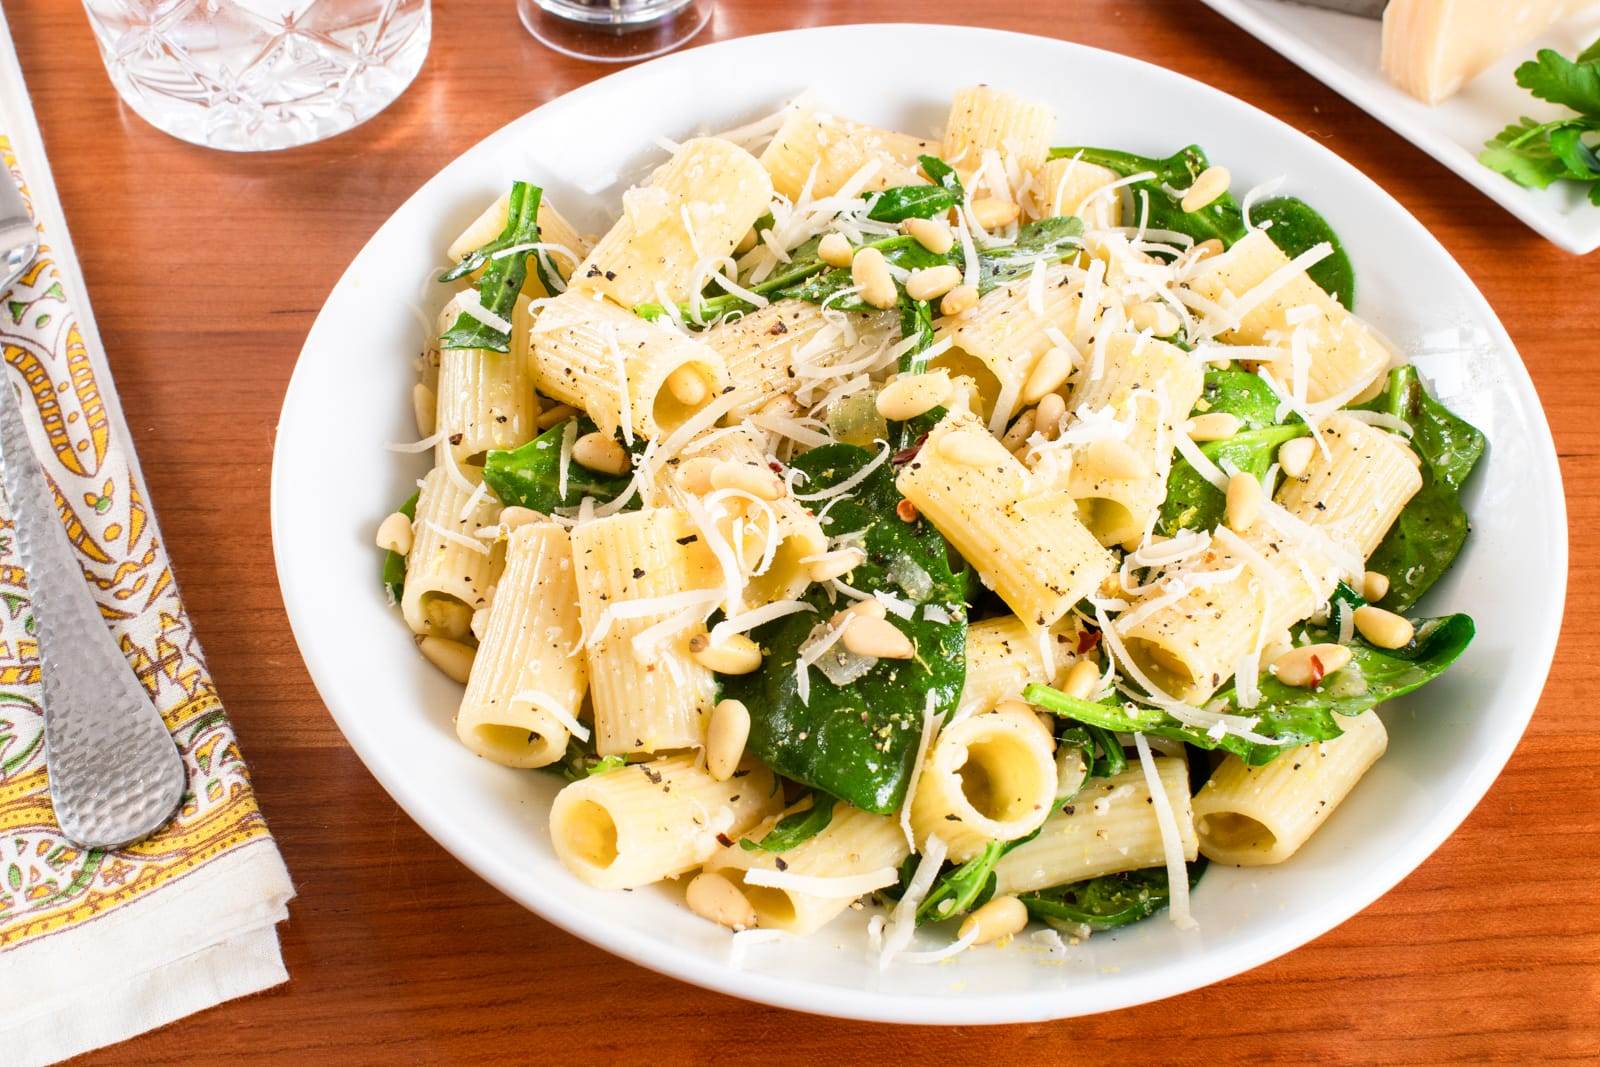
[890,523]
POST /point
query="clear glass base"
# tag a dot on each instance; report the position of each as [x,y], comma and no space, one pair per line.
[615,31]
[230,77]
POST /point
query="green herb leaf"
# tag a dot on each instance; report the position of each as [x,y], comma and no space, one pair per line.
[581,761]
[796,828]
[394,564]
[1552,76]
[1291,716]
[1220,219]
[912,202]
[502,279]
[942,174]
[1109,901]
[1051,240]
[1430,531]
[1522,153]
[857,741]
[530,476]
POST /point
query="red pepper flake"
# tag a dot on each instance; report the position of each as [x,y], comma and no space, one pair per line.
[906,510]
[906,455]
[1088,639]
[1317,672]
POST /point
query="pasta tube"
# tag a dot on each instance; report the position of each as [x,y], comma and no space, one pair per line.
[854,842]
[448,570]
[695,209]
[999,341]
[566,249]
[485,398]
[1109,827]
[1031,549]
[1253,816]
[526,684]
[983,118]
[648,821]
[1253,283]
[649,694]
[1073,187]
[1003,658]
[787,346]
[1358,488]
[591,354]
[824,152]
[990,777]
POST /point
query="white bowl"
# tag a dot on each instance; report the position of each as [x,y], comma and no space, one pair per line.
[333,481]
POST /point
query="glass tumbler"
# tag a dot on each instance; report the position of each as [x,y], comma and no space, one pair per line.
[255,75]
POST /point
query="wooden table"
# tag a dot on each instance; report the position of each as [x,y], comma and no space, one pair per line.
[206,269]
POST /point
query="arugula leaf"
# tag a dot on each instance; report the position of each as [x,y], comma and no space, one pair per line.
[941,174]
[1552,76]
[1430,531]
[1296,227]
[530,476]
[502,279]
[1291,716]
[1052,240]
[795,828]
[913,202]
[1102,752]
[1107,902]
[857,741]
[394,564]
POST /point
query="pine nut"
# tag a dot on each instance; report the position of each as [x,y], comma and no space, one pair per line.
[1374,586]
[451,657]
[559,413]
[517,515]
[1048,375]
[870,608]
[1243,502]
[835,250]
[1214,426]
[931,282]
[759,482]
[879,638]
[991,212]
[394,534]
[1384,628]
[870,271]
[783,406]
[961,298]
[687,386]
[1047,416]
[911,395]
[1294,457]
[425,409]
[737,654]
[1001,917]
[1212,183]
[711,896]
[480,623]
[1115,460]
[835,564]
[1082,679]
[931,234]
[1017,436]
[694,474]
[1157,318]
[963,446]
[601,453]
[1306,665]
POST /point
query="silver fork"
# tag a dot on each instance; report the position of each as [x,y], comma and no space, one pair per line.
[115,773]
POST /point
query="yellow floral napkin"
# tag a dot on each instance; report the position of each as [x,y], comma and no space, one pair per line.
[98,946]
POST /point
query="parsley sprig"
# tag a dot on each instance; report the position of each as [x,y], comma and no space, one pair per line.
[1536,154]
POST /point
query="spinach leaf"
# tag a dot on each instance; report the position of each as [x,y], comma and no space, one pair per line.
[942,174]
[1291,716]
[394,564]
[1430,531]
[857,741]
[502,279]
[912,202]
[581,761]
[1052,240]
[1221,219]
[1193,503]
[1109,901]
[1297,227]
[796,828]
[530,476]
[1102,752]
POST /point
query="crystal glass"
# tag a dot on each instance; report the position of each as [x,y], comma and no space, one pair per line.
[252,75]
[614,31]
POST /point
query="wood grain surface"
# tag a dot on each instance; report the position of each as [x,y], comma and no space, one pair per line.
[205,271]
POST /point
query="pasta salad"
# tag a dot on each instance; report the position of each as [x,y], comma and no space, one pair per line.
[982,529]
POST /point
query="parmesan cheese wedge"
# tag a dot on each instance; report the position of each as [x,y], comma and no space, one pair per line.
[1431,48]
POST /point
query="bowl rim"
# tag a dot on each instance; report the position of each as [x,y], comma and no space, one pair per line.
[1112,992]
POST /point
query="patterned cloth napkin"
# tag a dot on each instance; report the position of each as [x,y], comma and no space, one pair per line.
[97,946]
